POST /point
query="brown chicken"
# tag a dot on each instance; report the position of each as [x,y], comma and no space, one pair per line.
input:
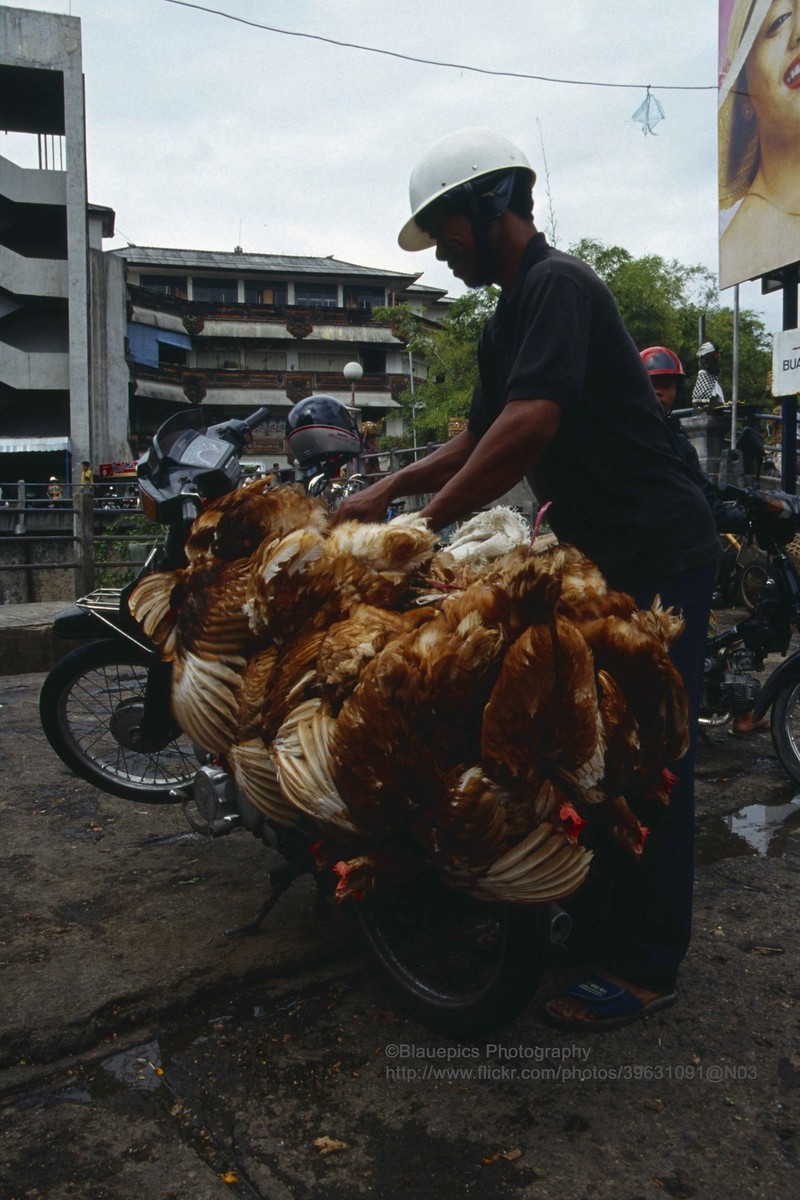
[477,731]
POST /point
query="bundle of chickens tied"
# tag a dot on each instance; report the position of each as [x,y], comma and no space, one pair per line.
[468,707]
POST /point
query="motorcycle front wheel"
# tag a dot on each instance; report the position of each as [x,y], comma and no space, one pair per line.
[91,706]
[786,727]
[457,965]
[753,579]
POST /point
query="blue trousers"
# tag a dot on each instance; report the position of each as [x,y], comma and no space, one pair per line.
[641,909]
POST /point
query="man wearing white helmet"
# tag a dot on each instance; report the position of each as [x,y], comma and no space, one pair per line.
[564,399]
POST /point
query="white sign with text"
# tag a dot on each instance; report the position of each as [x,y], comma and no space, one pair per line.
[786,363]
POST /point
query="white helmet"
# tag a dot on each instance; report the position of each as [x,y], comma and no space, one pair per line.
[706,349]
[455,160]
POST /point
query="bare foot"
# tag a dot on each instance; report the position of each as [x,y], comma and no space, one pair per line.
[746,724]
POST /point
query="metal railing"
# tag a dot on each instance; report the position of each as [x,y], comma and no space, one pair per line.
[98,532]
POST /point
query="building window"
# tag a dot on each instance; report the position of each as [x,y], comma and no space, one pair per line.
[169,355]
[373,360]
[316,295]
[165,285]
[329,364]
[363,297]
[257,291]
[215,291]
[265,360]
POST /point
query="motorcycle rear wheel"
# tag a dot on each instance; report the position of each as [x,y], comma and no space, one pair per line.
[457,965]
[786,727]
[90,705]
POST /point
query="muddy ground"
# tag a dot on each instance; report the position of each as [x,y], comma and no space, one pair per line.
[146,1055]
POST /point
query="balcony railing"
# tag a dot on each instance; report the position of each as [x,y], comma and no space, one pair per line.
[250,378]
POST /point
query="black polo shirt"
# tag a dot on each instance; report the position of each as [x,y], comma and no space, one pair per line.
[620,492]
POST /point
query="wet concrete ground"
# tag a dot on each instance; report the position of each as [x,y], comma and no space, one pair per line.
[146,1055]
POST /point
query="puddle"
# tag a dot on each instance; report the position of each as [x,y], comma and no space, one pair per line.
[758,829]
[139,1067]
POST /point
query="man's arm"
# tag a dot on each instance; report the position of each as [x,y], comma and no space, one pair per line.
[426,475]
[512,444]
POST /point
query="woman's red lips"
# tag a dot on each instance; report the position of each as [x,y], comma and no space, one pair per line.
[792,77]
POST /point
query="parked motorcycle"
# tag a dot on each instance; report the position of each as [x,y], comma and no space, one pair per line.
[459,965]
[734,656]
[743,571]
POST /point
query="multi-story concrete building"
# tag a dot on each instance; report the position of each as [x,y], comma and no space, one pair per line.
[98,347]
[62,300]
[233,331]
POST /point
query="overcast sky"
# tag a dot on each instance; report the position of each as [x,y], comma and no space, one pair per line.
[206,133]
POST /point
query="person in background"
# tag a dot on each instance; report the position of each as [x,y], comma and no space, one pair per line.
[668,377]
[54,489]
[87,478]
[563,399]
[707,392]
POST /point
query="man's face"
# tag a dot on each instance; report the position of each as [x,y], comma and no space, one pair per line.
[666,389]
[455,245]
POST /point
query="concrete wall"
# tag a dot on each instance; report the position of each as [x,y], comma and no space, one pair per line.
[109,371]
[50,42]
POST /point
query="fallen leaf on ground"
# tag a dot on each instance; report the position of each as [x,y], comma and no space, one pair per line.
[327,1145]
[508,1155]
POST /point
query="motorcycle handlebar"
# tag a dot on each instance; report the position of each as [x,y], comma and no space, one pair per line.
[236,431]
[257,418]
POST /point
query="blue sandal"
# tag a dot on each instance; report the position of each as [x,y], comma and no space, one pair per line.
[611,1005]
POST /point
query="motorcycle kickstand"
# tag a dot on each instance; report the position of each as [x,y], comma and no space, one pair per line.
[281,879]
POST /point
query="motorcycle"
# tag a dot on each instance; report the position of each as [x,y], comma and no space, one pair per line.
[734,656]
[459,965]
[742,571]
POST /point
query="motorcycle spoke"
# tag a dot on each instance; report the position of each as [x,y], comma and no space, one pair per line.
[92,703]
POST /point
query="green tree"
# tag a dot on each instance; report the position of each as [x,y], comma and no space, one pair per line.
[661,303]
[449,351]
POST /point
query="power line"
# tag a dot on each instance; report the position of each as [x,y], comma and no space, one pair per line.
[432,62]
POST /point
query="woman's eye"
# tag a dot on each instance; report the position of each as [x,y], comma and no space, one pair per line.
[775,25]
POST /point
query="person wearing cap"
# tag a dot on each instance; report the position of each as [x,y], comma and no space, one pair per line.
[563,399]
[759,140]
[707,392]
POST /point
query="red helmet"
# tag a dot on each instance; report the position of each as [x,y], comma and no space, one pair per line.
[658,360]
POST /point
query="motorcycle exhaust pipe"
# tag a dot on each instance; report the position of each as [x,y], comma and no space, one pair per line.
[560,924]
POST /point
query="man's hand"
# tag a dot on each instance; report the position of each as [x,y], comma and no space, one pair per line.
[371,504]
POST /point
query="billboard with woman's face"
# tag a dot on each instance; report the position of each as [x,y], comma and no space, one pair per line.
[759,137]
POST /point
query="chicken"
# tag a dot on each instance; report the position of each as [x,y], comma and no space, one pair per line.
[236,524]
[634,653]
[468,709]
[350,644]
[542,720]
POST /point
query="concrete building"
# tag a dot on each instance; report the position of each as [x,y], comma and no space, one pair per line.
[234,331]
[63,378]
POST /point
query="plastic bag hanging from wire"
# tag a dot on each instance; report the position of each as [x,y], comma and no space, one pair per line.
[649,114]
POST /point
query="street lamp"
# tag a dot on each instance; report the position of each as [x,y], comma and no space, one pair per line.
[353,371]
